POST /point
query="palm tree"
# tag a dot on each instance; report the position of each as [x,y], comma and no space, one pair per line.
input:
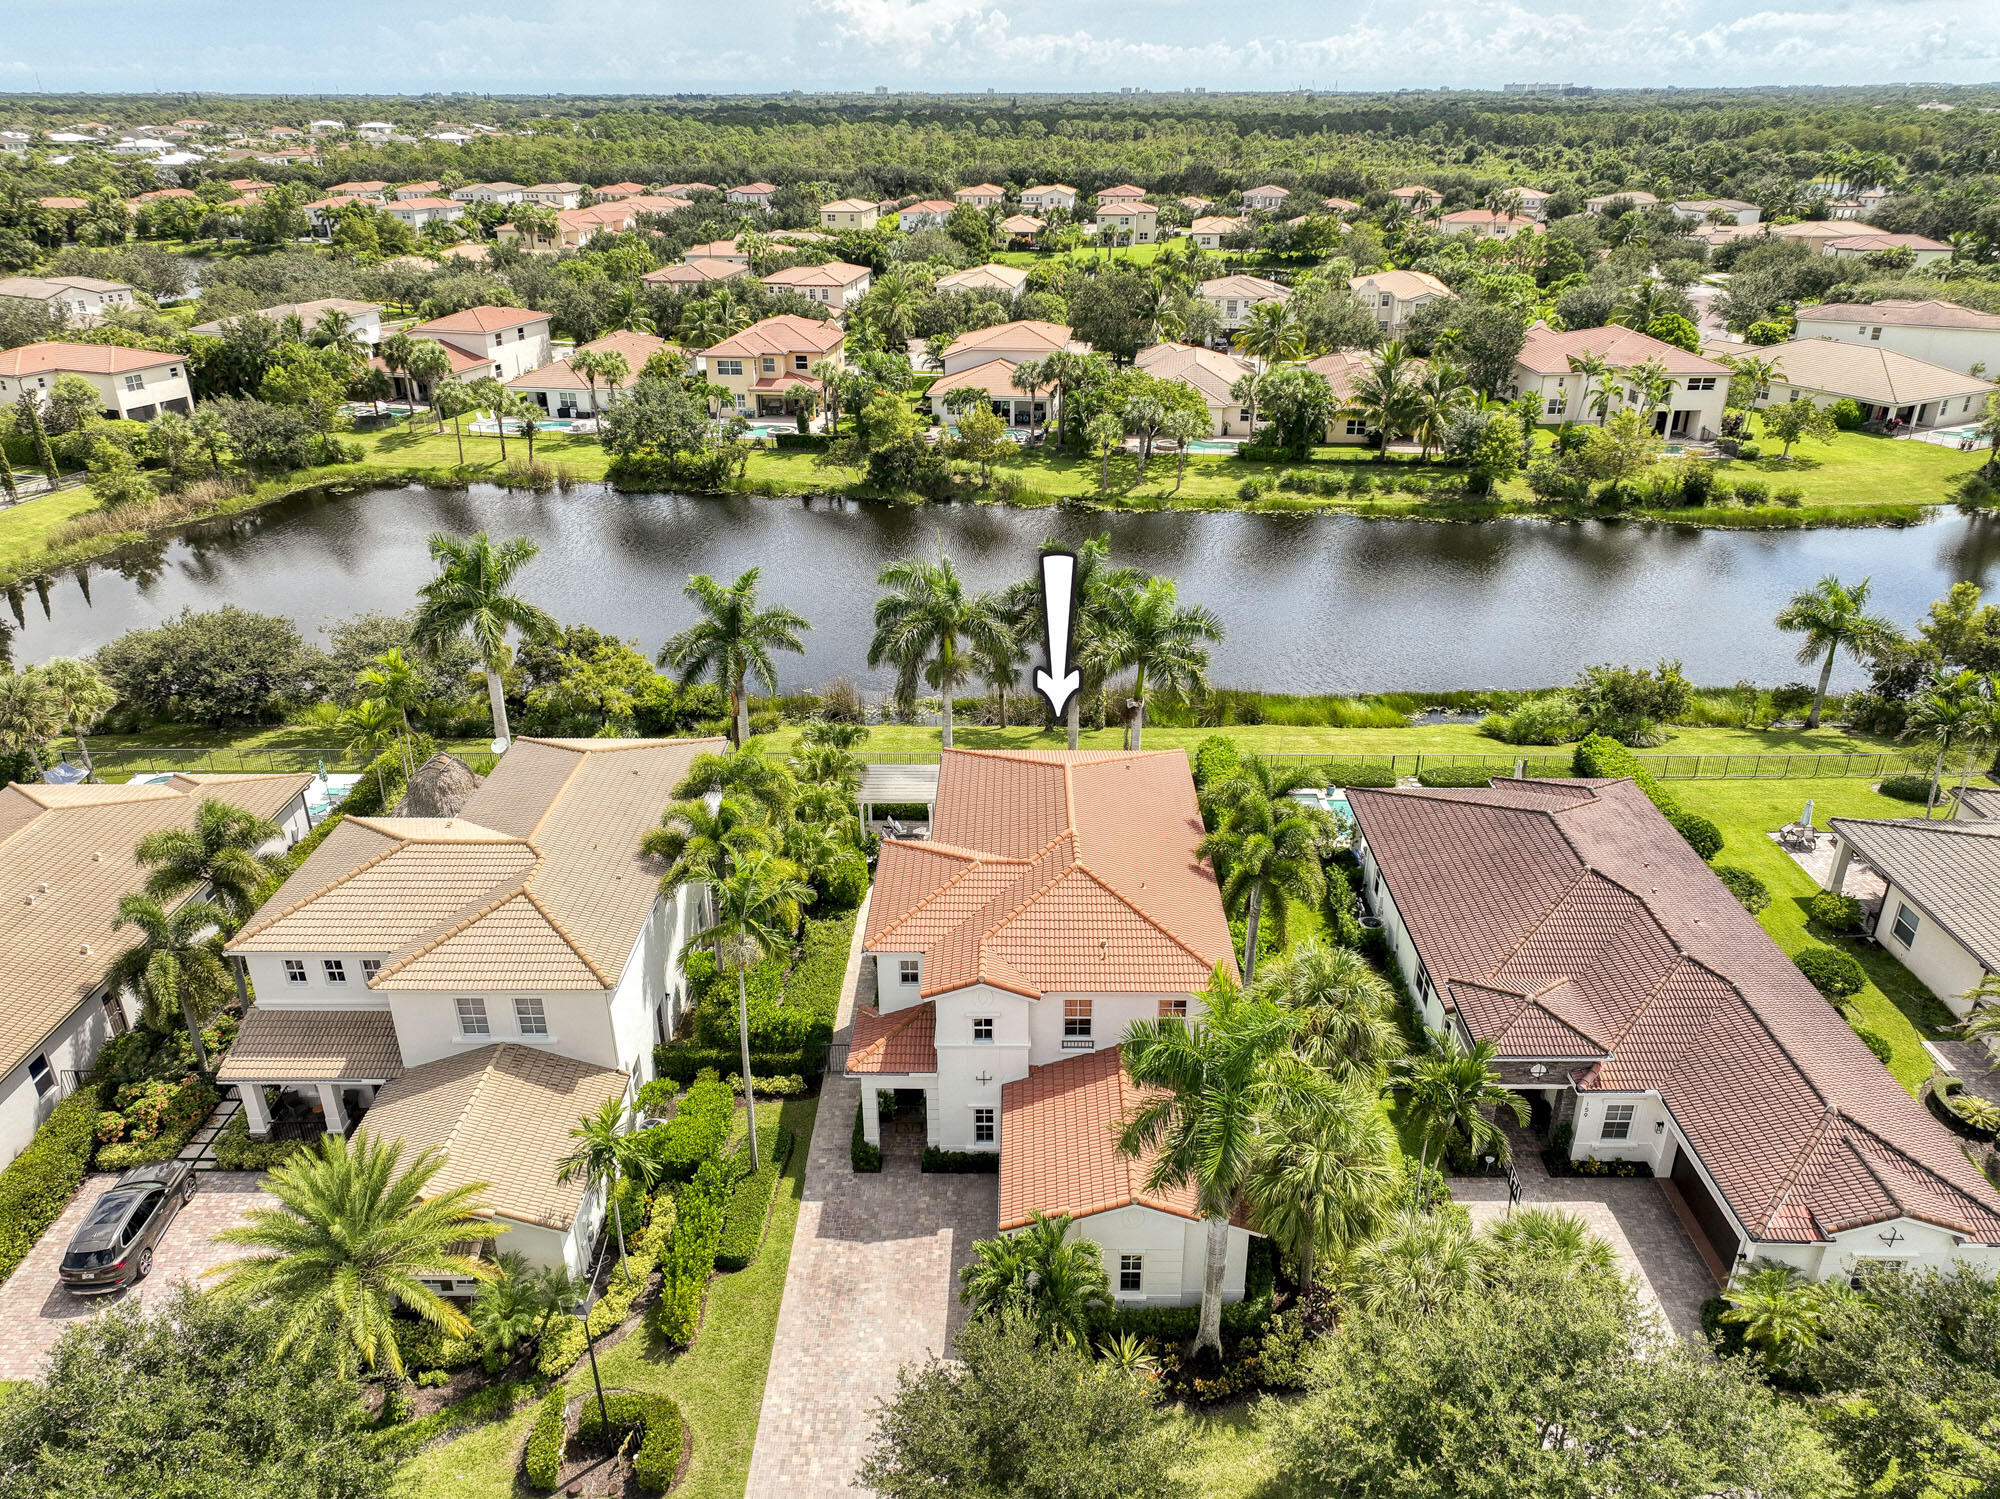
[1321,1170]
[507,1308]
[1441,393]
[625,311]
[175,965]
[1550,1239]
[605,1151]
[429,368]
[1778,1310]
[1246,391]
[1342,1007]
[472,595]
[1955,711]
[211,433]
[1104,435]
[79,695]
[1030,378]
[393,678]
[831,375]
[733,639]
[395,352]
[1272,332]
[354,1236]
[931,629]
[756,911]
[219,852]
[367,730]
[1264,848]
[1982,1019]
[335,330]
[1207,1082]
[1644,302]
[1066,371]
[30,715]
[1154,635]
[1833,616]
[700,841]
[1385,395]
[1001,654]
[453,400]
[1095,588]
[1652,385]
[1758,374]
[1058,1281]
[1448,1086]
[1184,426]
[1420,1263]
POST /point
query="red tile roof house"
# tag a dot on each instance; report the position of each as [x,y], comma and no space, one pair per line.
[1632,999]
[500,342]
[1058,899]
[1693,409]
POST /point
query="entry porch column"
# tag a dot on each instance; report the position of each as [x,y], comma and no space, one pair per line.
[871,1113]
[255,1116]
[329,1099]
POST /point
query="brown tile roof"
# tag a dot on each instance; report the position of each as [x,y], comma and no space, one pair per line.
[1568,922]
[995,377]
[1210,371]
[1924,314]
[1862,244]
[1023,223]
[1056,871]
[538,880]
[989,277]
[900,1043]
[56,943]
[1951,869]
[785,334]
[636,347]
[1547,352]
[313,1045]
[88,359]
[501,1115]
[1123,190]
[487,319]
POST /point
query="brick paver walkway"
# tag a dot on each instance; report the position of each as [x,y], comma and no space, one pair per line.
[34,1308]
[872,1287]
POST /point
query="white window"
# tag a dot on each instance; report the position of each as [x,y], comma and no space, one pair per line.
[906,970]
[1906,923]
[1131,1272]
[336,971]
[295,971]
[1617,1122]
[729,366]
[1173,1007]
[1702,382]
[369,968]
[983,1128]
[1356,428]
[770,365]
[530,1016]
[1076,1020]
[135,382]
[472,1017]
[982,1028]
[44,1079]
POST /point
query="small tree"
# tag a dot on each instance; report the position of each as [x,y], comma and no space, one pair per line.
[1797,421]
[982,440]
[1182,427]
[1104,435]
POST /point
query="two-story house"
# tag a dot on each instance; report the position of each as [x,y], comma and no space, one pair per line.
[1048,196]
[1691,407]
[1059,898]
[1394,295]
[81,300]
[755,194]
[850,213]
[1417,199]
[981,195]
[1269,198]
[133,384]
[554,194]
[986,358]
[931,213]
[1209,231]
[488,192]
[767,368]
[512,340]
[364,318]
[1937,332]
[476,984]
[836,284]
[1127,221]
[1232,297]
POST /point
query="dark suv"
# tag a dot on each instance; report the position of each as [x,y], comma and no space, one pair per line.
[114,1247]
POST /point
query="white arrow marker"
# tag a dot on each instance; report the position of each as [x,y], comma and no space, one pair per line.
[1060,682]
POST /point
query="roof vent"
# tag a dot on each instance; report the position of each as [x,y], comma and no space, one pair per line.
[98,857]
[42,888]
[84,950]
[28,900]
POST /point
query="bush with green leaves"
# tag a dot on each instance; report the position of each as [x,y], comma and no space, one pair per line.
[1599,757]
[749,1208]
[1545,718]
[1906,788]
[695,1133]
[1833,912]
[39,1182]
[861,1155]
[1701,833]
[1458,775]
[1874,1042]
[1834,973]
[689,1255]
[542,1463]
[1750,892]
[1344,773]
[236,1151]
[655,1419]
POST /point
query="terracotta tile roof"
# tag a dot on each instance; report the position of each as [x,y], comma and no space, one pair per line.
[848,205]
[833,273]
[1340,368]
[502,1115]
[1547,352]
[899,1043]
[87,359]
[1951,869]
[313,1045]
[656,203]
[690,272]
[620,189]
[995,377]
[1862,244]
[486,319]
[1869,372]
[538,880]
[1056,871]
[57,943]
[1925,314]
[636,348]
[1123,190]
[1568,922]
[1487,218]
[762,188]
[930,205]
[1059,1144]
[785,334]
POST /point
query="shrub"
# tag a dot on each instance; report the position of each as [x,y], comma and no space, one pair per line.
[681,1063]
[658,1460]
[1834,973]
[1215,757]
[1456,775]
[689,1256]
[695,1133]
[743,1223]
[1906,788]
[39,1183]
[787,1085]
[1846,413]
[1750,892]
[1703,836]
[1982,1114]
[1839,914]
[960,1162]
[1546,718]
[236,1151]
[1353,773]
[1749,452]
[865,1157]
[1874,1042]
[543,1461]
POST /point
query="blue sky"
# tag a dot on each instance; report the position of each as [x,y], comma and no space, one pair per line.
[375,46]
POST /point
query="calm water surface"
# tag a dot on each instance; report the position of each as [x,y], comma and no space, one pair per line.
[1312,603]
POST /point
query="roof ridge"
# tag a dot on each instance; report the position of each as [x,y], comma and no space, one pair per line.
[970,867]
[1583,873]
[396,846]
[473,913]
[1795,1169]
[1153,921]
[562,931]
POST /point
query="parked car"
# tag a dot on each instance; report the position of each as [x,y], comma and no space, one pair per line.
[114,1247]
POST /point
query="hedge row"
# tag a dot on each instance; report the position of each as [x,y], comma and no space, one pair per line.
[657,1420]
[567,1338]
[961,1162]
[39,1183]
[690,1255]
[749,1207]
[1344,773]
[683,1064]
[696,1131]
[1456,775]
[1600,758]
[544,1459]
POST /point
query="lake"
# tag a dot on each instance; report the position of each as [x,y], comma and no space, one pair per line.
[1323,603]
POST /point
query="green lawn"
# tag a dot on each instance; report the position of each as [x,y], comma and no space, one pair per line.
[1894,1005]
[719,1383]
[1228,1456]
[1858,468]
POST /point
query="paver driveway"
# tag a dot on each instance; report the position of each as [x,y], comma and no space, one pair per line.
[872,1286]
[34,1308]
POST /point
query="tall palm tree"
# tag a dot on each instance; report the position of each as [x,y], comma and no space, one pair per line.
[355,1235]
[1955,711]
[450,399]
[473,595]
[175,965]
[1833,617]
[1778,1309]
[1385,396]
[1207,1081]
[1264,848]
[1000,655]
[1342,1007]
[1057,1280]
[1095,588]
[606,1151]
[219,852]
[1321,1170]
[1982,1019]
[1154,636]
[1448,1087]
[30,715]
[1652,385]
[931,629]
[1066,371]
[1182,428]
[79,695]
[1758,372]
[1272,332]
[732,640]
[756,911]
[335,330]
[1441,394]
[1420,1263]
[393,678]
[749,775]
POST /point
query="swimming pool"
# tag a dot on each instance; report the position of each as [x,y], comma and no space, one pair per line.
[1208,445]
[1327,799]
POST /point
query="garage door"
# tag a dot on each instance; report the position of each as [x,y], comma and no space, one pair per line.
[1715,1225]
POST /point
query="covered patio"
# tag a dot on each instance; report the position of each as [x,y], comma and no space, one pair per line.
[897,785]
[324,1063]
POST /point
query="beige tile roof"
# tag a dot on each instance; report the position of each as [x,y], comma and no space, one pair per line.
[312,1046]
[1056,871]
[1256,288]
[56,944]
[1026,335]
[538,879]
[501,1115]
[848,205]
[833,273]
[1547,352]
[1869,372]
[1004,278]
[1209,371]
[1924,314]
[694,272]
[1216,224]
[1023,223]
[785,334]
[1402,285]
[308,313]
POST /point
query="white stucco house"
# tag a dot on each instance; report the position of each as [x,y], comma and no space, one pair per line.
[1886,385]
[1707,210]
[1959,338]
[1210,230]
[1210,373]
[1058,899]
[931,213]
[1698,388]
[365,318]
[68,852]
[835,284]
[478,983]
[1269,198]
[1233,296]
[1047,196]
[513,340]
[132,384]
[1647,1017]
[1394,295]
[82,300]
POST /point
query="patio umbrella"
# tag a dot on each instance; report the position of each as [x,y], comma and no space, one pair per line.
[1807,819]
